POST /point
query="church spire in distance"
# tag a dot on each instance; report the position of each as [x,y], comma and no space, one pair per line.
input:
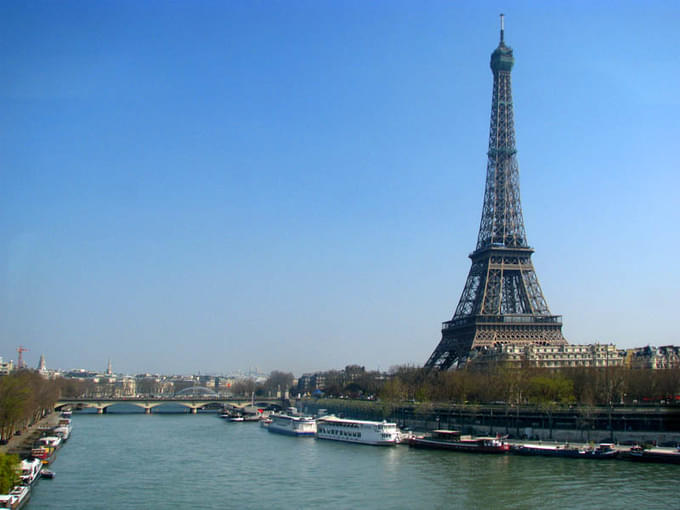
[502,301]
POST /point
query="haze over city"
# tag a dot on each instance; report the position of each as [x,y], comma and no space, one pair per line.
[215,186]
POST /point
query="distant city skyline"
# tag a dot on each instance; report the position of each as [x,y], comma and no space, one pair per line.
[204,187]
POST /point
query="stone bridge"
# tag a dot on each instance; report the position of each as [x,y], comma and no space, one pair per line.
[148,403]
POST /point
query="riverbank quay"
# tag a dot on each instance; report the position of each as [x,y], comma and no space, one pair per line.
[626,425]
[21,445]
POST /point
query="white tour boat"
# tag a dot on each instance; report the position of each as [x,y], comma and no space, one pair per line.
[30,471]
[357,431]
[292,425]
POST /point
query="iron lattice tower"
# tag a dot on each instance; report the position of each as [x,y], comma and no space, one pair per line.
[502,301]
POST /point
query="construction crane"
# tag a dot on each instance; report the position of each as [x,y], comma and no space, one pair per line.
[20,359]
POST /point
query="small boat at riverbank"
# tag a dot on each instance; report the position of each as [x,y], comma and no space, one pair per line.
[292,425]
[46,473]
[603,451]
[452,440]
[656,455]
[357,431]
[241,415]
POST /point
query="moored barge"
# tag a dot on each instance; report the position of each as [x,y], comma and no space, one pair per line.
[639,454]
[452,440]
[602,452]
[292,425]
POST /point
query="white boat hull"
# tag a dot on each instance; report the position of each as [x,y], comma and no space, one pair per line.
[357,431]
[292,425]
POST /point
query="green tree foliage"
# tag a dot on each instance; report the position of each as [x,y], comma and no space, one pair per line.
[9,472]
[545,390]
[394,390]
[25,397]
[521,385]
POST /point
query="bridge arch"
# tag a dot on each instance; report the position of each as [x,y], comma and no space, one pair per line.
[197,391]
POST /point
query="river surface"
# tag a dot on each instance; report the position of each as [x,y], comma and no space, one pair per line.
[168,461]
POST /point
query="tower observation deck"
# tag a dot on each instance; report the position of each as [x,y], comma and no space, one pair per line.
[502,301]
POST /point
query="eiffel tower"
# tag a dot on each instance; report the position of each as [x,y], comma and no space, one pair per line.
[502,301]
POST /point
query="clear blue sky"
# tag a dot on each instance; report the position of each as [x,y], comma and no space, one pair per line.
[296,185]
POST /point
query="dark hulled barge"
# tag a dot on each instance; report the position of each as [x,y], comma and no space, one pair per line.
[452,440]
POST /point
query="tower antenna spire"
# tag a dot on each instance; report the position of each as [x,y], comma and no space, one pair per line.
[502,26]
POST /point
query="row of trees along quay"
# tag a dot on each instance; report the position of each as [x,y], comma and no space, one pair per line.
[492,384]
[26,397]
[509,399]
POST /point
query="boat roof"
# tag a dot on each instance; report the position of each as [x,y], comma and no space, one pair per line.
[335,419]
[541,446]
[446,432]
[289,417]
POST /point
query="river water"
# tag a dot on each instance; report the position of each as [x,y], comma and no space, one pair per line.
[199,461]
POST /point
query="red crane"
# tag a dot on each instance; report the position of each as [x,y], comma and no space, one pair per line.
[20,360]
